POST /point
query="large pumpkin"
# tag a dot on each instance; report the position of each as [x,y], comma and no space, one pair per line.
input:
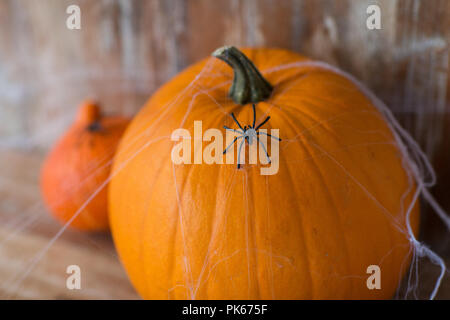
[212,231]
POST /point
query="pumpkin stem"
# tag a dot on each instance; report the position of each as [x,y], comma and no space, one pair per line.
[89,114]
[249,86]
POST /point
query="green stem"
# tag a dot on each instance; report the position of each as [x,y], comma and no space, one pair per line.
[249,86]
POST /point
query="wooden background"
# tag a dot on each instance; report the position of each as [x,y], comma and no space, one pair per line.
[126,49]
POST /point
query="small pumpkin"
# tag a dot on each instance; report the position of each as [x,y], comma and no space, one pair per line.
[74,172]
[311,231]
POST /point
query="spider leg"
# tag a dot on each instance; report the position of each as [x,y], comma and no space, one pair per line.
[269,135]
[264,148]
[231,144]
[254,116]
[262,123]
[238,131]
[239,154]
[235,120]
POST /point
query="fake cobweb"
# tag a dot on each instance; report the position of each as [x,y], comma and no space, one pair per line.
[415,163]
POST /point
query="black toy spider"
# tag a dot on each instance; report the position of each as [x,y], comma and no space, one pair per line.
[249,133]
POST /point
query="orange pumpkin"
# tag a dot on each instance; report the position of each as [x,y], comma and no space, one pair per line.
[78,166]
[311,231]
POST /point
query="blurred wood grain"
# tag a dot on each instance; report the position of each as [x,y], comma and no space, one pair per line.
[30,270]
[126,49]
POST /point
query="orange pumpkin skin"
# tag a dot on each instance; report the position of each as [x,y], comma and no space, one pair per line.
[308,232]
[78,165]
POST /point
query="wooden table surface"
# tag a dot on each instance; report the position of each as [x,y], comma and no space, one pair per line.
[26,229]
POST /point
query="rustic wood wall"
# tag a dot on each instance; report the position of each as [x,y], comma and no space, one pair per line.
[126,49]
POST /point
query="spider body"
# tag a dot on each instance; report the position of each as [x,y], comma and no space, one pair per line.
[249,134]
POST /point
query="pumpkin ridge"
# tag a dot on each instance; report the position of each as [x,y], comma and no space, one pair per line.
[194,283]
[270,264]
[333,135]
[304,143]
[172,248]
[387,213]
[155,127]
[219,214]
[251,229]
[323,180]
[387,226]
[283,114]
[128,152]
[222,215]
[216,214]
[179,190]
[301,226]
